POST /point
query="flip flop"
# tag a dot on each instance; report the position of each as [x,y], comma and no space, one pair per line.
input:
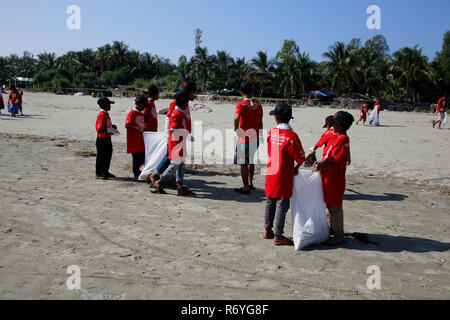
[157,191]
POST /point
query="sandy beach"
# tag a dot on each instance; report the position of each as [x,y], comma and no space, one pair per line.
[131,244]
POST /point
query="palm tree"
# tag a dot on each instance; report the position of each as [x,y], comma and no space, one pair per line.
[262,71]
[203,63]
[340,66]
[221,64]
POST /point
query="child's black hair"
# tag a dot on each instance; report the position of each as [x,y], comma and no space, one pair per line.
[284,118]
[182,97]
[152,90]
[247,88]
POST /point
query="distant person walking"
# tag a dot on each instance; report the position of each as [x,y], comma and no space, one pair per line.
[14,102]
[2,105]
[20,91]
[363,114]
[375,115]
[440,111]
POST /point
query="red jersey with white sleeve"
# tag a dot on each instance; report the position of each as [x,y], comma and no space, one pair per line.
[251,113]
[151,117]
[135,138]
[103,124]
[284,148]
[363,114]
[14,97]
[179,128]
[441,105]
[325,139]
[333,175]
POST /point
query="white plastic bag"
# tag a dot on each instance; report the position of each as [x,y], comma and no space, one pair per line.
[309,219]
[374,116]
[155,150]
[445,119]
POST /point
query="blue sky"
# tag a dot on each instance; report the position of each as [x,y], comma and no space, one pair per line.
[242,27]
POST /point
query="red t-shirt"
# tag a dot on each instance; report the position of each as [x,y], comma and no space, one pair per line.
[251,113]
[325,139]
[172,106]
[284,148]
[364,110]
[333,175]
[103,124]
[135,138]
[179,121]
[151,117]
[441,105]
[14,97]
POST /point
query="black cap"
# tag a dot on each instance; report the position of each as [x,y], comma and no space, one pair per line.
[141,99]
[181,97]
[190,86]
[329,120]
[343,118]
[283,110]
[104,101]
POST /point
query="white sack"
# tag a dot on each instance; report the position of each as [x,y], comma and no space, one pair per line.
[445,119]
[374,116]
[155,150]
[309,218]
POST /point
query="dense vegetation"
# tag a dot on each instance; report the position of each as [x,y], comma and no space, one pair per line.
[406,75]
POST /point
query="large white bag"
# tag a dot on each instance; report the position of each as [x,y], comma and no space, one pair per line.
[309,219]
[374,116]
[445,119]
[155,150]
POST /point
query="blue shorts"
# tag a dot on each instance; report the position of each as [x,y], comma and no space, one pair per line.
[14,108]
[245,153]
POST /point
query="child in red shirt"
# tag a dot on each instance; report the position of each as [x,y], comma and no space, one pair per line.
[363,114]
[326,137]
[247,125]
[135,125]
[179,130]
[333,168]
[284,148]
[440,111]
[105,129]
[14,102]
[150,114]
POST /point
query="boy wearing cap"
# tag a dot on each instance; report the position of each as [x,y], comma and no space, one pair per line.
[363,114]
[105,129]
[247,125]
[179,131]
[135,125]
[325,139]
[150,114]
[333,168]
[284,148]
[189,87]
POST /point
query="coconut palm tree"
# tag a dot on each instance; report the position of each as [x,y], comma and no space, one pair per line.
[203,63]
[339,68]
[220,65]
[263,67]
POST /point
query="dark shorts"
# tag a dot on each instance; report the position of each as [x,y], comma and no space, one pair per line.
[245,153]
[2,105]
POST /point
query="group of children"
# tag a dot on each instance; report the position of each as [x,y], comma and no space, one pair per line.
[15,100]
[285,150]
[375,116]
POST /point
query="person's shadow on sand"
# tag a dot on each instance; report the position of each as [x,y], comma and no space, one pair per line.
[372,197]
[387,243]
[214,190]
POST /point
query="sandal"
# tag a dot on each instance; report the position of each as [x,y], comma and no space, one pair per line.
[283,241]
[158,191]
[242,191]
[184,190]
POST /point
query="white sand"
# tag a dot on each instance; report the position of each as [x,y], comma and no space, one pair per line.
[131,244]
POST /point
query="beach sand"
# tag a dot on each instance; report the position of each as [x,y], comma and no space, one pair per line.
[131,244]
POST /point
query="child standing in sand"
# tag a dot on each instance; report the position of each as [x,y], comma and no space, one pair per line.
[179,132]
[20,91]
[333,168]
[284,148]
[14,102]
[105,129]
[247,125]
[135,125]
[2,104]
[363,114]
[150,114]
[190,87]
[440,111]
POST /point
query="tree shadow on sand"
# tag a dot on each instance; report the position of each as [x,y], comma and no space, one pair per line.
[372,197]
[387,243]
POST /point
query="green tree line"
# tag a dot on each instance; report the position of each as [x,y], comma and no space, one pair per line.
[369,68]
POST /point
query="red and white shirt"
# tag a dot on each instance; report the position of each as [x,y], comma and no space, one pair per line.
[14,97]
[364,110]
[333,175]
[179,128]
[251,113]
[379,107]
[135,138]
[284,148]
[103,124]
[172,106]
[151,117]
[441,105]
[325,139]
